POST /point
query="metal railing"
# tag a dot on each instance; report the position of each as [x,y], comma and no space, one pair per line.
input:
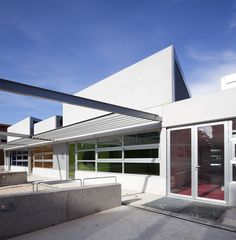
[92,178]
[50,183]
[35,184]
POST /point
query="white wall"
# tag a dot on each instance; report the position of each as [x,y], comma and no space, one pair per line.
[210,107]
[141,86]
[139,183]
[19,169]
[47,124]
[228,81]
[50,173]
[24,127]
[60,156]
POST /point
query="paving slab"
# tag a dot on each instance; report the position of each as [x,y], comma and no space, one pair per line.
[127,222]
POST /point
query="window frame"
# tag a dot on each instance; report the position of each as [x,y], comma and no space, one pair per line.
[121,148]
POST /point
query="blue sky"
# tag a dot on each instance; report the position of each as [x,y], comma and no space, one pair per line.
[67,45]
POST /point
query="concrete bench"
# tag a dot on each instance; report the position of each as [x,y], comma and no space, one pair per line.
[12,178]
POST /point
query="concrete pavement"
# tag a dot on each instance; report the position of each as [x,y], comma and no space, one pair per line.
[126,222]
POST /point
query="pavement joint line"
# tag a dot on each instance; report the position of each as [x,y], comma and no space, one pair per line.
[179,217]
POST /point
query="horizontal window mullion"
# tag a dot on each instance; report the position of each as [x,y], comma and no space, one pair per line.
[140,147]
[92,160]
[86,150]
[110,160]
[109,149]
[147,160]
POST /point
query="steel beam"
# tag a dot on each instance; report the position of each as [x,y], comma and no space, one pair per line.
[11,134]
[28,90]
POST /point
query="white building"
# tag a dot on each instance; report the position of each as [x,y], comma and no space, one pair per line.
[190,153]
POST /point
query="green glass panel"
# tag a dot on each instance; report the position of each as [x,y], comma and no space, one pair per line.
[109,142]
[86,166]
[110,154]
[142,153]
[85,145]
[72,161]
[142,138]
[87,155]
[142,168]
[110,167]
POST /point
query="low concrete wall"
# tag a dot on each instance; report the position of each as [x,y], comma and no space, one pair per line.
[12,178]
[28,212]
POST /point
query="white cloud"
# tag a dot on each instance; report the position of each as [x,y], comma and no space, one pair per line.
[210,68]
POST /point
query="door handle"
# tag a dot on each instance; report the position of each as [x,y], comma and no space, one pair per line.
[198,167]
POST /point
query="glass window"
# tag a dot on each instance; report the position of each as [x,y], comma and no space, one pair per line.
[234,124]
[142,138]
[85,145]
[86,155]
[86,166]
[19,158]
[109,142]
[48,164]
[142,153]
[38,164]
[142,168]
[43,157]
[110,154]
[110,167]
[72,161]
[25,164]
[234,172]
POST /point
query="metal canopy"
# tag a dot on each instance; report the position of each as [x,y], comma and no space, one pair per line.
[96,127]
[24,89]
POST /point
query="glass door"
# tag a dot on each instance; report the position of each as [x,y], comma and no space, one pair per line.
[180,161]
[210,161]
[197,161]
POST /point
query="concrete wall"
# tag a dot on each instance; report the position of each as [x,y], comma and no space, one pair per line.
[47,124]
[25,127]
[143,85]
[28,212]
[12,178]
[210,107]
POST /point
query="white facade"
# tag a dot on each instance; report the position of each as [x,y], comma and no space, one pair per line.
[24,127]
[154,85]
[47,124]
[228,81]
[143,86]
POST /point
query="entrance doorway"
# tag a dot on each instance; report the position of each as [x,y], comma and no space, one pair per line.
[197,157]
